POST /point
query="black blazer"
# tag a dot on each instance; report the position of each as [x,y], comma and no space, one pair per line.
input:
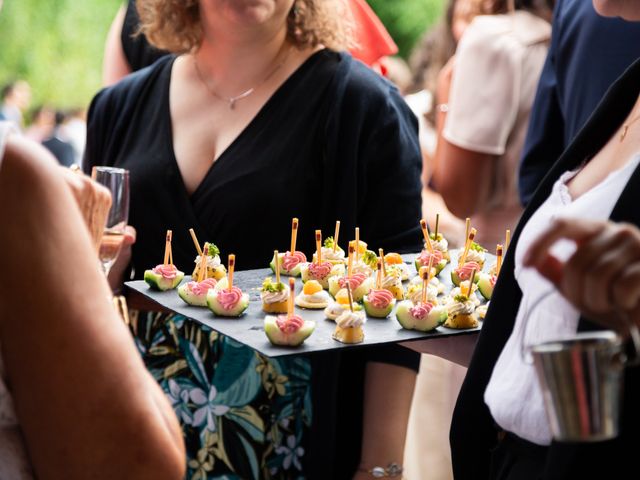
[473,432]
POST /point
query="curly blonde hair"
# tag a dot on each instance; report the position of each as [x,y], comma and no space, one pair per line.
[174,25]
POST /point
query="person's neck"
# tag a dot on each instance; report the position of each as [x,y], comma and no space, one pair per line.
[236,64]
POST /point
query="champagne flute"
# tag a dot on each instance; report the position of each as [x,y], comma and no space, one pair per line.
[116,180]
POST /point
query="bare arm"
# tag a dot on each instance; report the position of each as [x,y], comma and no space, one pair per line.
[86,404]
[461,176]
[114,63]
[388,394]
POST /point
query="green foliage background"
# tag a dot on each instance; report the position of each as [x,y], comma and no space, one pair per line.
[57,45]
[406,20]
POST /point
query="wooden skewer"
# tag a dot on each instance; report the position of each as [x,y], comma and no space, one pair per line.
[203,264]
[357,243]
[277,260]
[498,258]
[294,234]
[350,260]
[381,253]
[424,274]
[319,246]
[170,255]
[195,241]
[425,234]
[467,228]
[335,236]
[292,291]
[379,277]
[467,245]
[167,247]
[471,279]
[232,267]
[350,296]
[435,231]
[507,239]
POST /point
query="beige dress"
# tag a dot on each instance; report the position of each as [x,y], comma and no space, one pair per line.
[14,463]
[497,67]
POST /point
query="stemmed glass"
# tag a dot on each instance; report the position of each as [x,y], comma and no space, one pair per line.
[116,180]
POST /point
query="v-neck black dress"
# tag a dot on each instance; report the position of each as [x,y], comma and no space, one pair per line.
[335,142]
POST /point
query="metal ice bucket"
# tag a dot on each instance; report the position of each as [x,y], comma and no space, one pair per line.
[582,382]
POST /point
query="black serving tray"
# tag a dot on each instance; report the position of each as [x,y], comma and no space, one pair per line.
[248,329]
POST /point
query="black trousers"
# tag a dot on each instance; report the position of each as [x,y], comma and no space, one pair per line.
[517,459]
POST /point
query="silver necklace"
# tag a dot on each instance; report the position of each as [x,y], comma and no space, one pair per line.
[231,101]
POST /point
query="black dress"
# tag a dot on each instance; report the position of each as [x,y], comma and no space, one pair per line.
[137,50]
[335,142]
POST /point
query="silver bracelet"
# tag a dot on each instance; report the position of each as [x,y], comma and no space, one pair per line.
[391,470]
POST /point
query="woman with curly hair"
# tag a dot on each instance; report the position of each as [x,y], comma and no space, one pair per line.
[258,116]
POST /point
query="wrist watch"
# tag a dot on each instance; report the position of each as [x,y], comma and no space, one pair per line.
[391,470]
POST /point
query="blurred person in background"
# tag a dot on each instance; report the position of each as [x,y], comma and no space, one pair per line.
[74,131]
[584,45]
[57,144]
[42,122]
[15,98]
[483,101]
[431,54]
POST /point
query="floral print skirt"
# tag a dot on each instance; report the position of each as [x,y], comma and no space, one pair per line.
[243,415]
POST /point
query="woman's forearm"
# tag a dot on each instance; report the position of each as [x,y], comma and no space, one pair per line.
[387,403]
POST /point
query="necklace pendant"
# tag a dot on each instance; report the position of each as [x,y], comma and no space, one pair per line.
[625,128]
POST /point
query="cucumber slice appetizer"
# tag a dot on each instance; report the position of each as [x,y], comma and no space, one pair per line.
[192,298]
[436,317]
[358,293]
[438,266]
[377,312]
[278,337]
[215,306]
[455,278]
[158,282]
[295,272]
[485,286]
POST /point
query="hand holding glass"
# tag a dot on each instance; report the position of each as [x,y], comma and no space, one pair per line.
[116,180]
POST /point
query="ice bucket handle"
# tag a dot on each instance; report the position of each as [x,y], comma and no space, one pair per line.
[630,358]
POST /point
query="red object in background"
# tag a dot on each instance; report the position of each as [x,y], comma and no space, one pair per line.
[374,41]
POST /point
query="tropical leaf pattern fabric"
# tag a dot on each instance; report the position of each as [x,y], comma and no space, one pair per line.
[243,415]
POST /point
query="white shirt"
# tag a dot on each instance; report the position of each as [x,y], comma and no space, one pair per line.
[513,394]
[14,463]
